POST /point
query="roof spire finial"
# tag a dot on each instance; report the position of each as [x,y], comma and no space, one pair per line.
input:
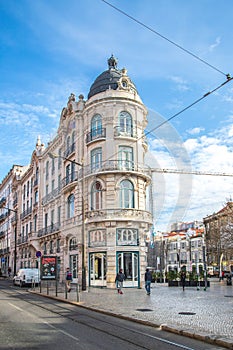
[112,62]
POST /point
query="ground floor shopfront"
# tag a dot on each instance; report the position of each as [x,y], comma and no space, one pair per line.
[100,271]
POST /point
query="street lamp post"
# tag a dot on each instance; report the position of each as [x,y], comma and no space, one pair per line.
[52,155]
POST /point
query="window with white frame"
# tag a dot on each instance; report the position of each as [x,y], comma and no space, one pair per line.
[127,236]
[125,123]
[70,206]
[96,196]
[73,244]
[125,157]
[97,238]
[96,158]
[96,125]
[126,194]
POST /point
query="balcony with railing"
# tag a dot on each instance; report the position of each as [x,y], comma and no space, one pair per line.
[49,230]
[25,213]
[52,195]
[4,215]
[4,250]
[117,165]
[69,151]
[96,134]
[22,239]
[69,179]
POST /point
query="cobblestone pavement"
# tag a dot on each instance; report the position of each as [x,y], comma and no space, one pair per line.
[206,315]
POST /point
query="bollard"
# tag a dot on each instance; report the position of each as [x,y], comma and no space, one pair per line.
[65,291]
[77,291]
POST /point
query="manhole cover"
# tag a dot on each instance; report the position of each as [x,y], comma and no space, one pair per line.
[187,313]
[144,310]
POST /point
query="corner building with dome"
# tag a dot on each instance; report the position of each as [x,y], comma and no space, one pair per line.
[91,188]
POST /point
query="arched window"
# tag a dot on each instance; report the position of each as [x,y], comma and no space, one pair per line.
[125,123]
[96,196]
[126,194]
[70,208]
[96,125]
[73,244]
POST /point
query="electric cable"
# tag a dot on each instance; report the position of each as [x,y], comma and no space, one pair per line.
[180,112]
[165,38]
[191,105]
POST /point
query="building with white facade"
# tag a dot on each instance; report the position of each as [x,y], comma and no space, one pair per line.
[83,197]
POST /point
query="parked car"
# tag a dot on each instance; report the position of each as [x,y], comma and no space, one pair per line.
[26,277]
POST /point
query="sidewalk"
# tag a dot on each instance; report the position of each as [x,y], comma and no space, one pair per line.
[205,315]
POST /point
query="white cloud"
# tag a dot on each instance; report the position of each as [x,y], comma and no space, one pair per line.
[209,153]
[195,131]
[216,44]
[181,84]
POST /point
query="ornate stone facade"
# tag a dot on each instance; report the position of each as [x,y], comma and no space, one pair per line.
[87,189]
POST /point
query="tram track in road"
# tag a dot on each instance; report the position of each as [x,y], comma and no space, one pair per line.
[134,335]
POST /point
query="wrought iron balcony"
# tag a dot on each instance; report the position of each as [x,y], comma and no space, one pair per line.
[117,165]
[69,150]
[96,135]
[49,230]
[69,179]
[52,195]
[26,212]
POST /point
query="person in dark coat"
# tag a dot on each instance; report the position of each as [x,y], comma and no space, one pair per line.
[148,279]
[120,277]
[68,279]
[183,278]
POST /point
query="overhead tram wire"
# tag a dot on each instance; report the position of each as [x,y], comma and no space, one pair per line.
[191,105]
[165,38]
[184,172]
[180,112]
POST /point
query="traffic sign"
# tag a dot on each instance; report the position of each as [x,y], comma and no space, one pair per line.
[38,254]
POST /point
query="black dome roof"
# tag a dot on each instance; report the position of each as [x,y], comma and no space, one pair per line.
[108,79]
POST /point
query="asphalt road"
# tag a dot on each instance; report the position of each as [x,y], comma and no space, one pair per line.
[29,321]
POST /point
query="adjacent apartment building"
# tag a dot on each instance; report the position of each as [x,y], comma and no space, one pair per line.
[83,198]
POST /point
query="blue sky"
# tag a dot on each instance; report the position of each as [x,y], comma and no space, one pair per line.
[49,49]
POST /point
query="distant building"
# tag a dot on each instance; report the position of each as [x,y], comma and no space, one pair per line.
[178,249]
[219,238]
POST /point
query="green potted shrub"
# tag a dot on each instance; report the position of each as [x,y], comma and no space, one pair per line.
[172,278]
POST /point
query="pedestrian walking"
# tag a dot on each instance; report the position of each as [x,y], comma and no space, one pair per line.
[68,279]
[183,278]
[9,272]
[148,279]
[120,277]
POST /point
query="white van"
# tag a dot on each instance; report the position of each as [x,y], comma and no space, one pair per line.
[26,277]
